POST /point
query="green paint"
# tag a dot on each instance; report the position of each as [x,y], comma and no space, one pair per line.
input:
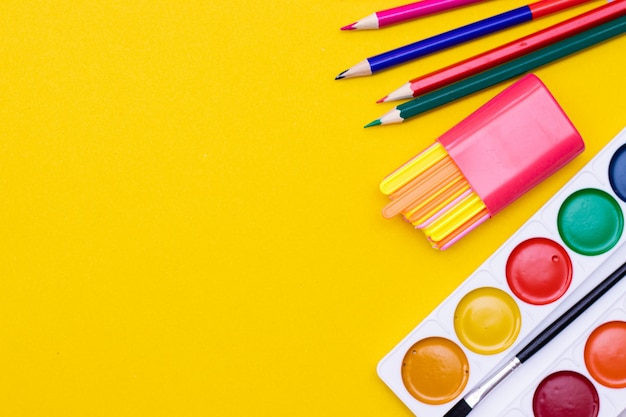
[590,221]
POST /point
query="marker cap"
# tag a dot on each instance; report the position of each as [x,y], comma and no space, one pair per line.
[513,142]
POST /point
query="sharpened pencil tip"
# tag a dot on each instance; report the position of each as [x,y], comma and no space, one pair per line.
[349,27]
[382,100]
[376,122]
[341,75]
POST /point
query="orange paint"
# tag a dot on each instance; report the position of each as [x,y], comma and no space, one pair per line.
[435,370]
[605,356]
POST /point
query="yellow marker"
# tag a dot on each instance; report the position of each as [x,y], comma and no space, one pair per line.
[416,166]
[439,200]
[421,188]
[463,230]
[454,218]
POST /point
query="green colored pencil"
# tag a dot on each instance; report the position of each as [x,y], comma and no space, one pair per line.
[502,73]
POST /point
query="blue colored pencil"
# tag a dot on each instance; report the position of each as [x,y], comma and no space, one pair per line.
[457,36]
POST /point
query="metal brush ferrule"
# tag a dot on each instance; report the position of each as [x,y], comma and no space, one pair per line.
[480,392]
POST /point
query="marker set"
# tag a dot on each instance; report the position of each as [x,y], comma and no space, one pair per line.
[515,293]
[484,163]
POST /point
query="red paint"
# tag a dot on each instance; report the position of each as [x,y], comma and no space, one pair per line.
[566,394]
[539,271]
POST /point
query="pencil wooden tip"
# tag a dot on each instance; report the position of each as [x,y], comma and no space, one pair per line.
[404,92]
[359,70]
[376,122]
[349,27]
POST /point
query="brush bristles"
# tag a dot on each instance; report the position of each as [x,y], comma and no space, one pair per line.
[460,409]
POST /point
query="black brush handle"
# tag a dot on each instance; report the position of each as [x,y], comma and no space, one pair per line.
[570,315]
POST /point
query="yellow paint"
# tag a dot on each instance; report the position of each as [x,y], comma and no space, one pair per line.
[487,320]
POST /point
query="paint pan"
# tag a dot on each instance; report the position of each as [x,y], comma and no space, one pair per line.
[516,292]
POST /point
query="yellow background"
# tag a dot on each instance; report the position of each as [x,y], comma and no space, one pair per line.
[190,211]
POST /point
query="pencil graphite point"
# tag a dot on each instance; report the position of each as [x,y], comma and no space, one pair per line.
[376,122]
[341,75]
[382,100]
[349,27]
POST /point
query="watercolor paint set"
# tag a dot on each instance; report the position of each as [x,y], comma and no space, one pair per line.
[515,294]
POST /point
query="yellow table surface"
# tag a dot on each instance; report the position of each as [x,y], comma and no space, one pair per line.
[190,211]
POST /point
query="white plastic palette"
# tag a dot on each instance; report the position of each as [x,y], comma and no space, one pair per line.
[515,293]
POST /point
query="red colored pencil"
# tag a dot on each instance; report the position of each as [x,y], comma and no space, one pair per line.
[507,52]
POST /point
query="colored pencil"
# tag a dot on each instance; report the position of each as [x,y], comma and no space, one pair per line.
[507,52]
[407,12]
[457,36]
[469,402]
[503,72]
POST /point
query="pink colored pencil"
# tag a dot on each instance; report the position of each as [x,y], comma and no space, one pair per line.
[403,13]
